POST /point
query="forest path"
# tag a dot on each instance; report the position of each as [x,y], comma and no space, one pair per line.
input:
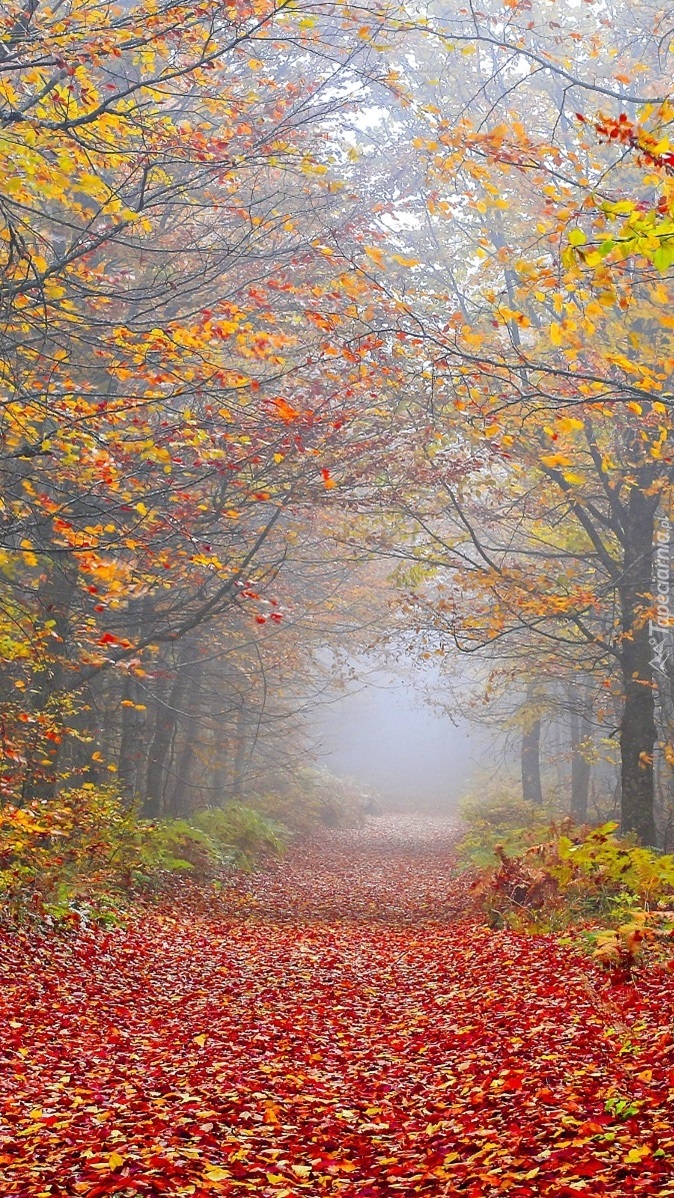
[350,1031]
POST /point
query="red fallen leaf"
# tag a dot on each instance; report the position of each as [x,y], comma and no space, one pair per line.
[514,1082]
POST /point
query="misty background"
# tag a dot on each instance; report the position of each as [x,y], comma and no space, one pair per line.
[389,734]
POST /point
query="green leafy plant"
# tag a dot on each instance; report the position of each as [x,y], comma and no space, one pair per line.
[566,875]
[502,820]
[79,854]
[55,853]
[240,833]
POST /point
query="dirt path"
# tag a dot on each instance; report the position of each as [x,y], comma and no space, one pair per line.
[349,1032]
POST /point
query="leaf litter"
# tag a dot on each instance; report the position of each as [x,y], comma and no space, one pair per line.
[342,1024]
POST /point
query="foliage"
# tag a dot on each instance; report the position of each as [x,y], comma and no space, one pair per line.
[610,861]
[499,818]
[257,309]
[242,832]
[342,1032]
[317,798]
[568,876]
[54,853]
[173,317]
[83,853]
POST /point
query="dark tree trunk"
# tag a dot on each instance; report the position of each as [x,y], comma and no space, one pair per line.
[166,714]
[131,749]
[55,598]
[240,754]
[180,795]
[637,729]
[134,731]
[180,803]
[219,782]
[580,766]
[532,791]
[580,785]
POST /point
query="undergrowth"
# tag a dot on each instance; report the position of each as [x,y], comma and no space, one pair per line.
[316,798]
[606,892]
[83,854]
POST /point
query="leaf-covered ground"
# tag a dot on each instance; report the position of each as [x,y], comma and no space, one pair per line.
[350,1030]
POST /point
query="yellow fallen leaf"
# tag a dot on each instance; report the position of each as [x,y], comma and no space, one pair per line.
[115,1161]
[216,1173]
[636,1154]
[200,1040]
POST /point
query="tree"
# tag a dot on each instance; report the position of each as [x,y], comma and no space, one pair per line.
[543,349]
[167,285]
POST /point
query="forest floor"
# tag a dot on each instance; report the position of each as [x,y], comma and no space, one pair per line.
[342,1025]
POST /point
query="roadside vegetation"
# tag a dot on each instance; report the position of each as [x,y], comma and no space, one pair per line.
[596,888]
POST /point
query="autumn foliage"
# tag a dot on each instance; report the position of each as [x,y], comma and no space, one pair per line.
[84,856]
[181,342]
[573,876]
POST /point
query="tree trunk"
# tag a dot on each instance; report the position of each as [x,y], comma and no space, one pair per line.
[180,803]
[240,754]
[637,728]
[532,791]
[580,781]
[166,715]
[131,748]
[54,597]
[580,710]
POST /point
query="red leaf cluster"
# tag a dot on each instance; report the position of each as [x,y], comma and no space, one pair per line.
[621,129]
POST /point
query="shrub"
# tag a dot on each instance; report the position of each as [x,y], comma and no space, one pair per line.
[499,821]
[55,852]
[316,799]
[574,875]
[241,833]
[81,852]
[172,846]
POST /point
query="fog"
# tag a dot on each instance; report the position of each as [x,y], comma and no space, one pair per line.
[389,735]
